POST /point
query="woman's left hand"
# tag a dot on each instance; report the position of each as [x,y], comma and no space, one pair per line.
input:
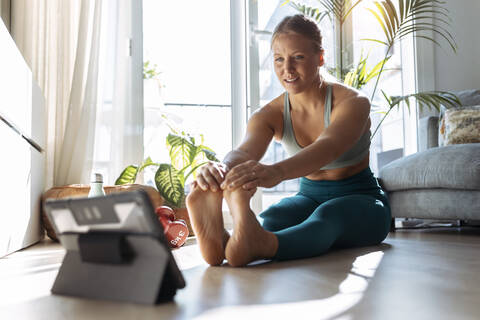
[252,174]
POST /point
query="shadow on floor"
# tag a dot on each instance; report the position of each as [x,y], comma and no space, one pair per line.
[213,291]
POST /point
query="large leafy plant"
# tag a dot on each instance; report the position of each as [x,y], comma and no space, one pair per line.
[397,19]
[185,158]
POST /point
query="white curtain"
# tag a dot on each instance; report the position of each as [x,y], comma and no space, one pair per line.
[76,50]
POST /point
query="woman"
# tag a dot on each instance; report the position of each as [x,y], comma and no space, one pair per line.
[325,129]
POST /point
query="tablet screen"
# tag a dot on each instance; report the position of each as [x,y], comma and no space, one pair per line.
[128,211]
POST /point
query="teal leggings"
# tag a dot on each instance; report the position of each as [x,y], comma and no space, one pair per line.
[329,214]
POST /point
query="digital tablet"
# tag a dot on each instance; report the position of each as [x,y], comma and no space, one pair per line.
[128,213]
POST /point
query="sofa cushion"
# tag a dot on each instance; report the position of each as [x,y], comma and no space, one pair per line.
[461,126]
[469,97]
[451,167]
[435,204]
[428,133]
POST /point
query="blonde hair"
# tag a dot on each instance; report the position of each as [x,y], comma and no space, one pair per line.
[302,25]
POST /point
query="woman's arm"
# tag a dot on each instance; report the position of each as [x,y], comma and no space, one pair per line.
[254,145]
[349,121]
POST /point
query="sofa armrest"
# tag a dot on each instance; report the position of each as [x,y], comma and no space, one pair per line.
[428,133]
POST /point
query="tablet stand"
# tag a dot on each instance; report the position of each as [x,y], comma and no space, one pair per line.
[116,266]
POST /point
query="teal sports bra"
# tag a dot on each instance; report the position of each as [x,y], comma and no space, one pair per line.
[350,157]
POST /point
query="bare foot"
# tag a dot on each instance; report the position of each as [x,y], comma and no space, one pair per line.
[205,211]
[249,241]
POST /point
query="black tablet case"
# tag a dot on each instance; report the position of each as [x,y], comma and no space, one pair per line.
[117,265]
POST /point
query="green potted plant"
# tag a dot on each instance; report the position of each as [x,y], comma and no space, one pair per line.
[186,156]
[397,19]
[152,86]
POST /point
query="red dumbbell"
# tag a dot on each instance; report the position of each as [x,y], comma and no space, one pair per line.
[176,231]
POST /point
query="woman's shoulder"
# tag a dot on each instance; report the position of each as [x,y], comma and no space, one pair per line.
[343,92]
[272,109]
[270,114]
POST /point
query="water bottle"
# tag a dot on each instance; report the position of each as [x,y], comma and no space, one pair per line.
[96,186]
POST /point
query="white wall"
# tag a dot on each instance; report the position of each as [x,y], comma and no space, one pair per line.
[22,104]
[462,70]
[5,12]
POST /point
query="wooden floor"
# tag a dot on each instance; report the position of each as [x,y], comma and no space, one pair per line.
[414,274]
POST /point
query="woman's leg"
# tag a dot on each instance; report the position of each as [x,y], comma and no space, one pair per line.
[288,212]
[348,221]
[249,241]
[205,211]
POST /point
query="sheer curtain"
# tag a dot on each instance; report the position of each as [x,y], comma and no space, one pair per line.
[81,53]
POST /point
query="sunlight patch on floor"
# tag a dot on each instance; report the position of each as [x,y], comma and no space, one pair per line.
[188,256]
[351,291]
[29,286]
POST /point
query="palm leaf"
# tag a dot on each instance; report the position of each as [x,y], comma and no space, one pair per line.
[337,9]
[128,175]
[311,12]
[350,9]
[382,25]
[341,9]
[170,185]
[360,76]
[409,19]
[428,99]
[386,19]
[375,40]
[376,69]
[400,22]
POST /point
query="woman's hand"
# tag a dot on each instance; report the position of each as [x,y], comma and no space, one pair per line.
[211,175]
[252,174]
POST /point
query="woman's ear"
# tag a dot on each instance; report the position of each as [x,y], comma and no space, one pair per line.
[321,59]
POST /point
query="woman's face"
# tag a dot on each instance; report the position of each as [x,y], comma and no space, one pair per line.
[296,62]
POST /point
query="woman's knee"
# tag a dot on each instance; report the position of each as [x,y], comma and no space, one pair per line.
[287,213]
[270,222]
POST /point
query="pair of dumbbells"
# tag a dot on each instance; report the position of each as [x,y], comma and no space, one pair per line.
[175,230]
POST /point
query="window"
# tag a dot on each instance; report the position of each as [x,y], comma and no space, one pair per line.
[188,43]
[397,136]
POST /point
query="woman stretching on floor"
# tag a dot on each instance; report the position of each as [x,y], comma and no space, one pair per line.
[325,129]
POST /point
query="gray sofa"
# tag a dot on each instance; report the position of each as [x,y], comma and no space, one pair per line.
[436,182]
